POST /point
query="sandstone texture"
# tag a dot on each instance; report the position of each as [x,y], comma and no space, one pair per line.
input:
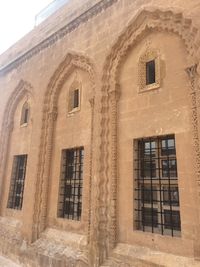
[100,48]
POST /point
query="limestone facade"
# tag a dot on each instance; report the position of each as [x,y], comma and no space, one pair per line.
[101,48]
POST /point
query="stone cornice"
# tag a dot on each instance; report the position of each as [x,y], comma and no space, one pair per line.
[72,25]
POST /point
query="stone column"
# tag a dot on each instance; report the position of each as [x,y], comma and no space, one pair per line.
[103,232]
[41,201]
[113,103]
[193,76]
[6,134]
[93,227]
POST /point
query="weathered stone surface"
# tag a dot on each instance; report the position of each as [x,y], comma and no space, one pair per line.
[100,46]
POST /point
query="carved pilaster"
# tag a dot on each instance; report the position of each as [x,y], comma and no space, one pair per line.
[53,114]
[91,101]
[42,190]
[113,96]
[192,74]
[93,224]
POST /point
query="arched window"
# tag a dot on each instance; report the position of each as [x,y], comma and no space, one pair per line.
[25,114]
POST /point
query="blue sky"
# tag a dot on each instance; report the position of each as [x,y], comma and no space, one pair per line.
[17,17]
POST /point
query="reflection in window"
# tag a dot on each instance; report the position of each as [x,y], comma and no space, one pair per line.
[15,199]
[157,186]
[170,195]
[169,168]
[70,195]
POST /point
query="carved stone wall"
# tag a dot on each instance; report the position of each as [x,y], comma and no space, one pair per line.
[71,62]
[102,225]
[144,22]
[22,89]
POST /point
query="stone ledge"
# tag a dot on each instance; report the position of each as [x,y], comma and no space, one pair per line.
[56,248]
[131,256]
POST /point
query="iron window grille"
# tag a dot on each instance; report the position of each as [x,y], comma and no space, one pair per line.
[15,199]
[157,196]
[71,184]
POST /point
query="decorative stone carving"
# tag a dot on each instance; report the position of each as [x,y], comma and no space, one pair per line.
[71,62]
[71,26]
[23,88]
[146,20]
[149,55]
[76,85]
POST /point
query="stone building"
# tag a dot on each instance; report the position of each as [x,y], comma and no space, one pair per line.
[99,144]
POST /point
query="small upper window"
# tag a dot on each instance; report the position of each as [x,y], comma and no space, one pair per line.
[75,103]
[74,100]
[150,72]
[25,114]
[74,95]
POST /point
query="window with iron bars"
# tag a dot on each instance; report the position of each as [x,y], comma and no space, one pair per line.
[157,195]
[15,199]
[71,183]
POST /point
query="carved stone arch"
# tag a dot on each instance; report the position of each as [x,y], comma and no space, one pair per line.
[150,20]
[71,62]
[141,25]
[23,88]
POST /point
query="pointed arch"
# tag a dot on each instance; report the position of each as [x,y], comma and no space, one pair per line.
[66,67]
[23,88]
[144,22]
[138,27]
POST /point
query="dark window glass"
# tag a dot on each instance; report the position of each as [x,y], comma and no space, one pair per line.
[15,199]
[149,194]
[76,98]
[157,186]
[172,219]
[26,115]
[168,147]
[169,168]
[150,72]
[148,169]
[70,196]
[149,217]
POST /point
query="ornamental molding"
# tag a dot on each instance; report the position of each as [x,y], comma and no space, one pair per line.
[58,35]
[71,63]
[23,88]
[149,54]
[143,23]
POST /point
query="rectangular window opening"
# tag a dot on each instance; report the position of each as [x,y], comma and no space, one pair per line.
[26,115]
[150,72]
[76,99]
[70,195]
[15,199]
[157,196]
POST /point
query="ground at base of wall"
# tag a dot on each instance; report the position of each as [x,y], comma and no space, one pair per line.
[5,262]
[135,256]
